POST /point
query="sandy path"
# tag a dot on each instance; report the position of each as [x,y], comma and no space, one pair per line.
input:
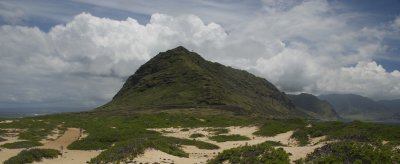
[69,156]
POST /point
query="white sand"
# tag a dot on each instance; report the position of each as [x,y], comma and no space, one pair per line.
[8,153]
[201,156]
[69,156]
[6,121]
[54,141]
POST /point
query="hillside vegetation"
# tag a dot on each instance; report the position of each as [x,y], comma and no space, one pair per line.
[179,78]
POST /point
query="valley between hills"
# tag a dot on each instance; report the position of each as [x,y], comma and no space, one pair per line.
[181,108]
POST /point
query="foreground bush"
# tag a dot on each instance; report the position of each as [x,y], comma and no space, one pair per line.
[274,127]
[32,155]
[224,138]
[21,144]
[261,153]
[354,152]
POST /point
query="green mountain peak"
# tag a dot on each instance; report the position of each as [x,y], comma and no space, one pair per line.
[179,78]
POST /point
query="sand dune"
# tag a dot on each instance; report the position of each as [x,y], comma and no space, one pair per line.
[201,156]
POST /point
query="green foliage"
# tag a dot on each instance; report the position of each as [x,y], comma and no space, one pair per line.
[21,144]
[274,127]
[301,136]
[184,130]
[32,155]
[34,129]
[196,135]
[218,131]
[261,153]
[274,143]
[355,131]
[233,137]
[129,136]
[354,152]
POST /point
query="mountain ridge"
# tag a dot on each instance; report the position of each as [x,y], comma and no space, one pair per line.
[315,107]
[352,106]
[179,78]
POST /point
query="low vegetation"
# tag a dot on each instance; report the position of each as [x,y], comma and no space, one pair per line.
[196,135]
[32,155]
[124,136]
[218,131]
[233,137]
[274,127]
[274,143]
[353,131]
[261,153]
[21,144]
[354,152]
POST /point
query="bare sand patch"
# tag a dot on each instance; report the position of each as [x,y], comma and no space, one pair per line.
[55,141]
[8,153]
[197,155]
[6,121]
[68,156]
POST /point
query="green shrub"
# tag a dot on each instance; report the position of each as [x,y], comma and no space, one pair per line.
[354,152]
[184,130]
[123,150]
[218,131]
[274,143]
[301,136]
[261,153]
[21,144]
[224,138]
[274,127]
[196,135]
[32,155]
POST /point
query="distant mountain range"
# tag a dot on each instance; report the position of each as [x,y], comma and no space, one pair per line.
[314,107]
[351,106]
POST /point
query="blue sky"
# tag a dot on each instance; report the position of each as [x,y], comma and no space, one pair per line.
[56,53]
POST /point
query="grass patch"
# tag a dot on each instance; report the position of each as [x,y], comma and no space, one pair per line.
[32,155]
[353,131]
[21,144]
[302,137]
[274,143]
[224,138]
[196,135]
[354,152]
[274,127]
[218,131]
[184,130]
[261,153]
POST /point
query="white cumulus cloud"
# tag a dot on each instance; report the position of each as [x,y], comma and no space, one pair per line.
[301,46]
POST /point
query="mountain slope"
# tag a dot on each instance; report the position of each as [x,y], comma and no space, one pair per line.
[315,107]
[179,78]
[392,105]
[353,106]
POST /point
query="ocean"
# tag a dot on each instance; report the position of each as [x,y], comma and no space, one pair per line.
[29,112]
